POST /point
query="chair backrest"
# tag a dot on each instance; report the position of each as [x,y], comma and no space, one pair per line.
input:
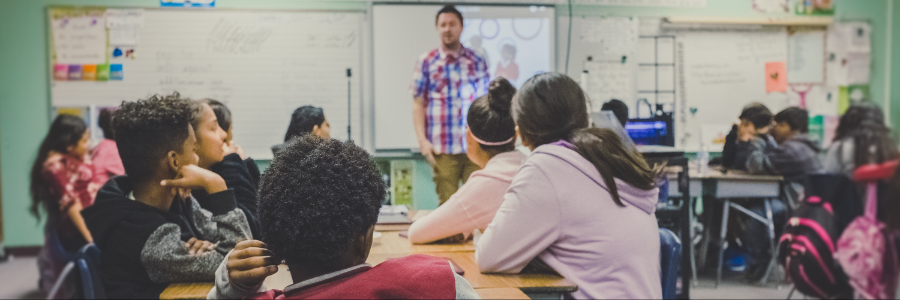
[669,261]
[64,283]
[88,262]
[79,279]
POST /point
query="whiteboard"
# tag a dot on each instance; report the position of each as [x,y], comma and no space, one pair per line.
[723,71]
[261,64]
[398,42]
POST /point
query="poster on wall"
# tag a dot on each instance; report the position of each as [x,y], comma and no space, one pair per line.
[814,7]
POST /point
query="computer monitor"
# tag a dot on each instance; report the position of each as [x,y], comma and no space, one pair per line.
[656,131]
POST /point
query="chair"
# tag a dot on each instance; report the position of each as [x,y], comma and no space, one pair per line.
[83,284]
[669,261]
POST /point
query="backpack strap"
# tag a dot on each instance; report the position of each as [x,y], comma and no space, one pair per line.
[871,200]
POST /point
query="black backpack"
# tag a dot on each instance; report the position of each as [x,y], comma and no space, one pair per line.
[806,248]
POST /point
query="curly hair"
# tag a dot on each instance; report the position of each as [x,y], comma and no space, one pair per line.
[148,129]
[316,197]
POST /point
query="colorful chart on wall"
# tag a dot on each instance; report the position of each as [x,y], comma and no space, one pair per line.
[261,64]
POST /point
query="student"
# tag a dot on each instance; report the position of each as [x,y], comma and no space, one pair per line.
[755,122]
[862,124]
[619,109]
[581,203]
[211,119]
[787,152]
[491,138]
[319,202]
[105,156]
[62,184]
[306,120]
[145,247]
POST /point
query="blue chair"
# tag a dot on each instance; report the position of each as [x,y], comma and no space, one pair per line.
[85,282]
[669,261]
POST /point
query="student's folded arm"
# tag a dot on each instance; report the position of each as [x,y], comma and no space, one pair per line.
[223,223]
[449,219]
[759,162]
[166,258]
[525,225]
[238,177]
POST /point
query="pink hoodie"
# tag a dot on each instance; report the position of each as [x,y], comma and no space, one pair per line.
[473,206]
[559,210]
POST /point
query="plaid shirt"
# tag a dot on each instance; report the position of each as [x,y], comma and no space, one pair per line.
[449,85]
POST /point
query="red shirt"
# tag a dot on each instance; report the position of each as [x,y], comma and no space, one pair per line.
[71,179]
[412,277]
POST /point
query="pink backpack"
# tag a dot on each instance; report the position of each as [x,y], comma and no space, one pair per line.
[865,250]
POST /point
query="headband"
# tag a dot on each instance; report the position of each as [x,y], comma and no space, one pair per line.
[492,143]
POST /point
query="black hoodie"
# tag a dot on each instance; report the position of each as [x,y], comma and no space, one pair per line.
[143,248]
[240,177]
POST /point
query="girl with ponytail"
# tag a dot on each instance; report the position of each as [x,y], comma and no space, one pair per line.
[491,138]
[582,203]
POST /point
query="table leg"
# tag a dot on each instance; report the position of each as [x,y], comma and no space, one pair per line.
[772,241]
[722,242]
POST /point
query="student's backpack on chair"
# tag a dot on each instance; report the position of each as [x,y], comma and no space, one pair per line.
[807,246]
[865,251]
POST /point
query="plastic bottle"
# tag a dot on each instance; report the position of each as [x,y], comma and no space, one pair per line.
[703,160]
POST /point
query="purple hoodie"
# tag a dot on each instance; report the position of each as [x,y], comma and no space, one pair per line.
[559,210]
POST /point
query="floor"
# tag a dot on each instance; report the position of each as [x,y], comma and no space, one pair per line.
[19,277]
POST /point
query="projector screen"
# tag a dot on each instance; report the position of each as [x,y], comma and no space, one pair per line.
[516,41]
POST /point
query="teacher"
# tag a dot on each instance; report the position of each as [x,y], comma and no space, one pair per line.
[445,82]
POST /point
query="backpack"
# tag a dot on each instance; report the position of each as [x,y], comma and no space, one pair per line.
[806,251]
[865,250]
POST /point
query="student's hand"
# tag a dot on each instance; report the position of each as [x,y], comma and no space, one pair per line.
[428,151]
[746,131]
[193,177]
[764,130]
[230,147]
[250,263]
[197,247]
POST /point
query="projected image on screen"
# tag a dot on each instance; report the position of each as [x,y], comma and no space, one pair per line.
[515,49]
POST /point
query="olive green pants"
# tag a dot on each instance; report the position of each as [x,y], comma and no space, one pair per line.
[449,170]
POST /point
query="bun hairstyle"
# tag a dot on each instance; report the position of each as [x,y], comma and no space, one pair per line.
[490,120]
[551,107]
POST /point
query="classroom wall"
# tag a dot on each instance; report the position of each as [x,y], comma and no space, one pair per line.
[24,85]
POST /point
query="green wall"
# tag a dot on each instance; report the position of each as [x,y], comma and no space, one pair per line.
[24,86]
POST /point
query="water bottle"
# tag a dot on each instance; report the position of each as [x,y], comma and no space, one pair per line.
[703,161]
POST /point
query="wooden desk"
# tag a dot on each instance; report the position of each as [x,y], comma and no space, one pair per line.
[527,282]
[732,184]
[199,290]
[502,293]
[187,290]
[391,242]
[391,245]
